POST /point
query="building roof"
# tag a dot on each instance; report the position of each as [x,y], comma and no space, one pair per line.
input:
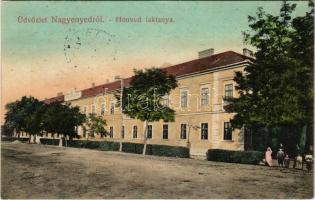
[186,68]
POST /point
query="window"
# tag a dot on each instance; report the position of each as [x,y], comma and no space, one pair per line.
[184,99]
[183,131]
[111,132]
[228,91]
[85,110]
[165,131]
[227,131]
[204,96]
[149,133]
[134,131]
[165,100]
[123,132]
[93,109]
[112,108]
[204,131]
[102,108]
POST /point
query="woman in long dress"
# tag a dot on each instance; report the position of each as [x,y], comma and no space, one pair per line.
[268,157]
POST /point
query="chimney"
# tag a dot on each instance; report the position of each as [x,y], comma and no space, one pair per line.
[206,53]
[93,84]
[247,52]
[59,94]
[117,77]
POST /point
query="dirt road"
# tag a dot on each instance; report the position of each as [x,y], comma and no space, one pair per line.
[38,171]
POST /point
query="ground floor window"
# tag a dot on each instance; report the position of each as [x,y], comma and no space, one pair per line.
[123,132]
[149,133]
[227,131]
[204,131]
[165,131]
[111,132]
[134,131]
[183,131]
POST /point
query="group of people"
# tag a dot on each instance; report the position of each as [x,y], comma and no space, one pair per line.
[284,159]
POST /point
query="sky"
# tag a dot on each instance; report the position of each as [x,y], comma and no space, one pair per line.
[42,59]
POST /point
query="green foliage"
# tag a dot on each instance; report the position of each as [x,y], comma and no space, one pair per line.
[96,124]
[243,157]
[278,88]
[47,141]
[170,151]
[63,119]
[132,147]
[25,115]
[11,139]
[142,100]
[97,145]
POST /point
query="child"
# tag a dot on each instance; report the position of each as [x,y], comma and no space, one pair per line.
[286,161]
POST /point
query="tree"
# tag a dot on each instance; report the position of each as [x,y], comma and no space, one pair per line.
[25,115]
[277,89]
[143,99]
[63,119]
[96,124]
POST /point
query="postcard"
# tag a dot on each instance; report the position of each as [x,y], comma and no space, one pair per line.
[157,99]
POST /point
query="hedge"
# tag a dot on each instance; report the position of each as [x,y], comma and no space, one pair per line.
[11,139]
[132,147]
[99,145]
[49,141]
[152,149]
[243,157]
[170,151]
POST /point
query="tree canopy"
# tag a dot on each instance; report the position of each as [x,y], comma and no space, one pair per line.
[277,89]
[143,98]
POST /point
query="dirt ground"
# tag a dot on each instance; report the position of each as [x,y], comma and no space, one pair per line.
[39,171]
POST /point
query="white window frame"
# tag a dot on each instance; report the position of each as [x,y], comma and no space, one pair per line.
[103,105]
[132,135]
[180,131]
[180,98]
[110,107]
[94,109]
[209,96]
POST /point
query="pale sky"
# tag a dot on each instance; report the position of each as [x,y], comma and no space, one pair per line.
[36,59]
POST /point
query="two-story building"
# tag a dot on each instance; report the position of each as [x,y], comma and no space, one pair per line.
[200,121]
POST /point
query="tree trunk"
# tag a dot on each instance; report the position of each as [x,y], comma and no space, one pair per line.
[29,140]
[145,137]
[34,138]
[303,138]
[60,142]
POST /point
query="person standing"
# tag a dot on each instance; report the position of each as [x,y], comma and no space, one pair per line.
[268,157]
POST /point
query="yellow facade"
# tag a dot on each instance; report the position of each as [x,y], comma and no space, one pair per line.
[212,81]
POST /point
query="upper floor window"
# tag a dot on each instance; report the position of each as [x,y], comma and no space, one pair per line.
[102,108]
[112,108]
[165,100]
[184,99]
[85,109]
[111,132]
[93,109]
[228,92]
[227,131]
[134,131]
[204,96]
[183,131]
[149,132]
[165,131]
[204,131]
